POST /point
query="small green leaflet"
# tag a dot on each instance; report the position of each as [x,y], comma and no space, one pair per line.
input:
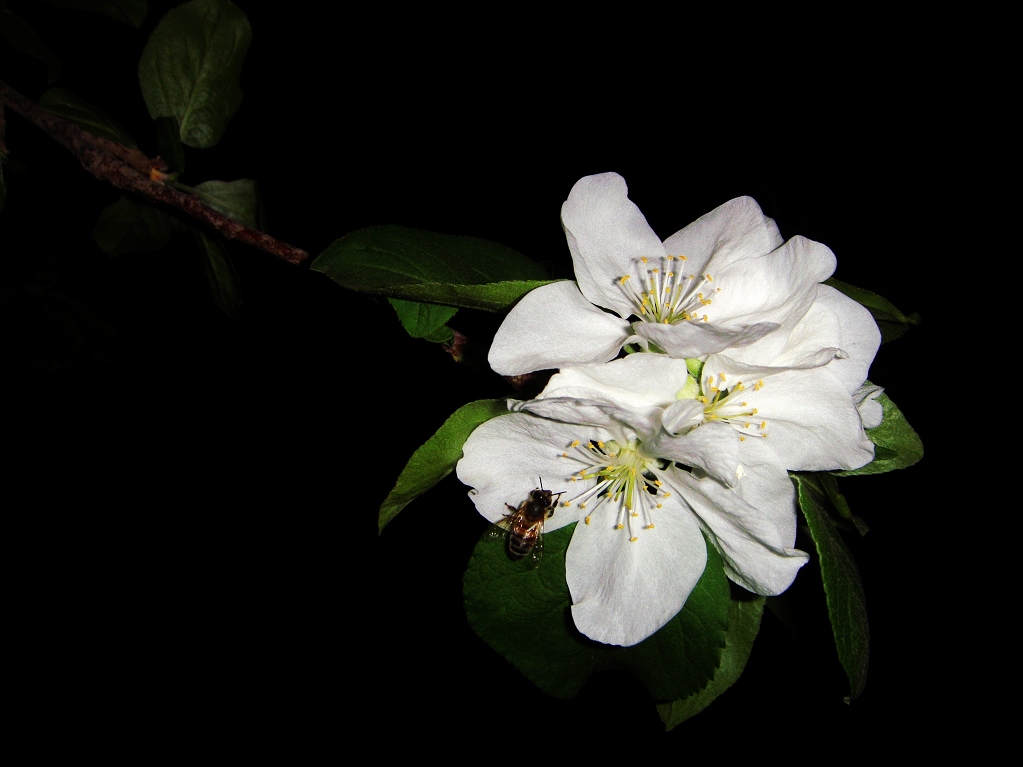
[524,613]
[220,274]
[438,456]
[896,444]
[237,199]
[168,143]
[191,67]
[842,586]
[890,321]
[128,226]
[416,265]
[427,321]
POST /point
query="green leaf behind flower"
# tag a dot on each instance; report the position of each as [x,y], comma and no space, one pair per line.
[829,484]
[20,35]
[76,109]
[128,226]
[438,456]
[743,626]
[896,444]
[524,613]
[416,265]
[130,12]
[843,588]
[890,321]
[220,274]
[191,66]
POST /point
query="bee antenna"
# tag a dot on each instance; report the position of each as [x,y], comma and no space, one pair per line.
[541,482]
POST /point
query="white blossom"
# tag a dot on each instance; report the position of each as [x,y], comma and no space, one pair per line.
[725,281]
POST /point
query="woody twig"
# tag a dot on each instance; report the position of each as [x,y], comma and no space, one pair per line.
[130,169]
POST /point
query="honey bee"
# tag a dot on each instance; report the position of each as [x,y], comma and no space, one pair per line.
[523,526]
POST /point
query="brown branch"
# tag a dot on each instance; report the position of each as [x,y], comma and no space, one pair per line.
[131,170]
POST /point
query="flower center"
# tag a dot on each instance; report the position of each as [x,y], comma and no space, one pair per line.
[661,291]
[625,478]
[728,404]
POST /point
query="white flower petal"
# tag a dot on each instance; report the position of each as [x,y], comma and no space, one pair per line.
[869,408]
[714,447]
[748,539]
[596,412]
[731,232]
[639,380]
[508,456]
[605,232]
[766,486]
[623,591]
[682,416]
[554,326]
[814,341]
[777,287]
[696,339]
[859,336]
[809,417]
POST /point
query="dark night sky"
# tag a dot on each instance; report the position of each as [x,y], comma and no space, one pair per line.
[210,486]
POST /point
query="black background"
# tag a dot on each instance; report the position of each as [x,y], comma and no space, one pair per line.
[202,492]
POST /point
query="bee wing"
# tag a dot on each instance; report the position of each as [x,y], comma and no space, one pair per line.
[498,530]
[536,553]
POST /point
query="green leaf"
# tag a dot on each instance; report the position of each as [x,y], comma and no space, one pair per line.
[191,66]
[843,589]
[71,107]
[891,322]
[442,335]
[220,274]
[423,320]
[524,613]
[743,626]
[18,34]
[131,12]
[237,199]
[438,456]
[838,502]
[896,444]
[128,226]
[417,265]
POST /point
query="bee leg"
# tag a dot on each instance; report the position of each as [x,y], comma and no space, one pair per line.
[511,507]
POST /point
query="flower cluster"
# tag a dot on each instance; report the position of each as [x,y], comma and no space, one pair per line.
[693,375]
